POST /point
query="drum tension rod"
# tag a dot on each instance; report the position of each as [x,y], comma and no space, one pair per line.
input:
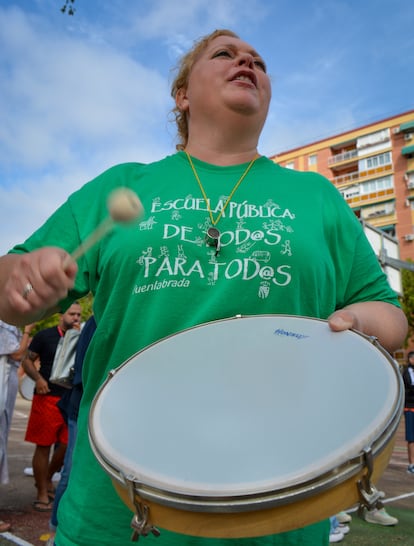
[139,523]
[370,496]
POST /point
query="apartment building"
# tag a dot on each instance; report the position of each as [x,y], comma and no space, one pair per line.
[373,168]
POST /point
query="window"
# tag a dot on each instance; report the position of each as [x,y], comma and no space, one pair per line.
[378,160]
[371,186]
[312,160]
[382,209]
[290,165]
[373,138]
[378,184]
[351,191]
[409,178]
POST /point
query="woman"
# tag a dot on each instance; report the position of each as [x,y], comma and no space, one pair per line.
[13,345]
[196,257]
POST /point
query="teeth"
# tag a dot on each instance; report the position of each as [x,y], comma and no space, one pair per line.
[244,79]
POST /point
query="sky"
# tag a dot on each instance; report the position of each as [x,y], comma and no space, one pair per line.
[81,93]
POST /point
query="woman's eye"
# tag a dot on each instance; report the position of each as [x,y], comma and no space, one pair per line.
[260,64]
[222,53]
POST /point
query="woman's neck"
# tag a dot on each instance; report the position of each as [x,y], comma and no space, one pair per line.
[221,144]
[221,158]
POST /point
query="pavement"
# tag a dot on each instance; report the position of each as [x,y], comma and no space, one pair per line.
[30,528]
[16,498]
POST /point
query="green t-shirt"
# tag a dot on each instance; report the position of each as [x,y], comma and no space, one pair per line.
[289,245]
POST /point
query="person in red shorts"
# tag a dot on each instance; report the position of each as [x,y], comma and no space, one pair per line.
[46,426]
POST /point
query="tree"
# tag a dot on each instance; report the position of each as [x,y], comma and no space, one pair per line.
[407,300]
[86,305]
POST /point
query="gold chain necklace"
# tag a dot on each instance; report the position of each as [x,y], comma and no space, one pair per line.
[212,233]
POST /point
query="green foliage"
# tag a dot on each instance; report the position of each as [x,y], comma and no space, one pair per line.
[407,299]
[86,305]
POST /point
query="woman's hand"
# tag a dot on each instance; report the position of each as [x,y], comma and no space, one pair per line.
[343,320]
[32,284]
[382,320]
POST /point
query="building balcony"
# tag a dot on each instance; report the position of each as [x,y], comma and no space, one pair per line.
[382,221]
[355,176]
[345,179]
[371,198]
[341,158]
[381,139]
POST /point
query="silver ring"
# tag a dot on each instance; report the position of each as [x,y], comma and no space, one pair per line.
[26,290]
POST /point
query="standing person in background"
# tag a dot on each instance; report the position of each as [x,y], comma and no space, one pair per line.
[46,426]
[69,405]
[13,346]
[408,377]
[213,208]
[378,516]
[337,530]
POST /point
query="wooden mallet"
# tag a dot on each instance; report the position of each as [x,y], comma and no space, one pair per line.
[124,206]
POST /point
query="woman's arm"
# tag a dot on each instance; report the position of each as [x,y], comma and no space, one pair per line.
[374,318]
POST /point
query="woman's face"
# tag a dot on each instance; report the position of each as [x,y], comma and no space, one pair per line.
[228,75]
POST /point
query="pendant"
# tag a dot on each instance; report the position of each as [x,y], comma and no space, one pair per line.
[213,238]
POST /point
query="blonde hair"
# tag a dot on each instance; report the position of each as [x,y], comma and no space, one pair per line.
[183,70]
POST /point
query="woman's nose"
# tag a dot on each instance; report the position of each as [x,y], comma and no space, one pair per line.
[246,59]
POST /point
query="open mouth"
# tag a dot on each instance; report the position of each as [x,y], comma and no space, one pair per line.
[244,77]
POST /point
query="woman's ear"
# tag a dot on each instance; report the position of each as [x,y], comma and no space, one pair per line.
[181,100]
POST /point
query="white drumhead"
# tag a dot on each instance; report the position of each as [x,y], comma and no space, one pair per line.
[245,405]
[26,387]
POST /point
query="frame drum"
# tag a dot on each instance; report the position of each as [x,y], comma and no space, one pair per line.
[247,426]
[26,387]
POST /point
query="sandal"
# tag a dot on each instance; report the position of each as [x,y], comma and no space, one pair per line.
[41,506]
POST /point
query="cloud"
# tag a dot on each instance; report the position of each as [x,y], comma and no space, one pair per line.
[161,18]
[24,207]
[60,94]
[69,108]
[78,94]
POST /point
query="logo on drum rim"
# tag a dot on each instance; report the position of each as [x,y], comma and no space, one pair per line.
[282,332]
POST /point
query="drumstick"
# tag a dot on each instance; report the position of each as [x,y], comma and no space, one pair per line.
[124,206]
